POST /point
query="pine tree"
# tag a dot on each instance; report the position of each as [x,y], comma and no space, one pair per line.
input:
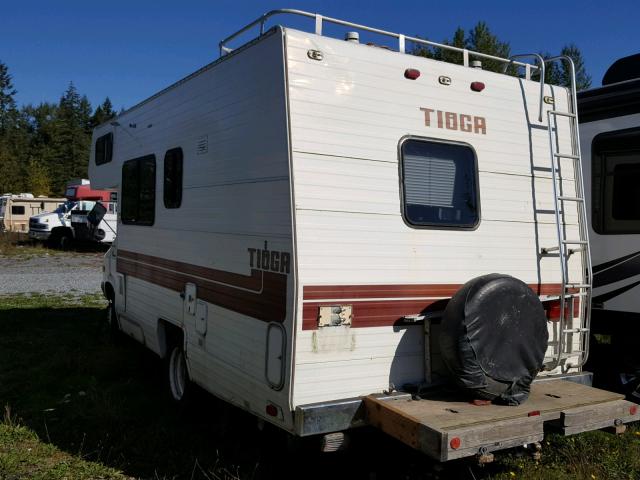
[103,113]
[71,142]
[10,177]
[8,112]
[481,39]
[38,178]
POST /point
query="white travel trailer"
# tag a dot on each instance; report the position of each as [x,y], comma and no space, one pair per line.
[610,135]
[15,210]
[295,217]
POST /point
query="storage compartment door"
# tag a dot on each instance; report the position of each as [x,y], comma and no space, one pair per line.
[275,355]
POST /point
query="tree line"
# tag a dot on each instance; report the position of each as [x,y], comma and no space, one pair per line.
[481,39]
[43,146]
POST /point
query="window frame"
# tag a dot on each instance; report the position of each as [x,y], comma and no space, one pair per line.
[139,161]
[598,162]
[108,139]
[178,199]
[23,207]
[476,177]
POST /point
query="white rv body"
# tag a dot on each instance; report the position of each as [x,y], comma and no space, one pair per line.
[291,203]
[610,114]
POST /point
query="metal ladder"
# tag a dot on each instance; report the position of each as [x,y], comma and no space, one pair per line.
[571,291]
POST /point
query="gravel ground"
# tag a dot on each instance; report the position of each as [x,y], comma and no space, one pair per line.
[75,273]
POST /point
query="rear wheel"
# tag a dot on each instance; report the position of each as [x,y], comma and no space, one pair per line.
[64,242]
[179,383]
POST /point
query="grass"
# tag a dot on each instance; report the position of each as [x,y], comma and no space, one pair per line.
[18,245]
[84,407]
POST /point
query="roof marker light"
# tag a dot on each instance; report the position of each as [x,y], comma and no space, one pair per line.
[411,73]
[455,443]
[477,86]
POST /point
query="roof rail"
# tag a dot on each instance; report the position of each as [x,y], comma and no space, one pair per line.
[402,39]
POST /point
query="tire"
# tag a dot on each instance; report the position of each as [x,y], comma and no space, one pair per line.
[180,387]
[493,338]
[65,240]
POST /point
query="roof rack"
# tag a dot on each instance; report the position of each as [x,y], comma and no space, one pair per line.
[402,39]
[402,42]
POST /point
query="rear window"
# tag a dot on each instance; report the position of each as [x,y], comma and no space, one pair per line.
[615,180]
[439,184]
[173,178]
[17,210]
[104,149]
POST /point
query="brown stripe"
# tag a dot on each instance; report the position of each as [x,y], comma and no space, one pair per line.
[320,292]
[252,282]
[267,301]
[370,314]
[384,313]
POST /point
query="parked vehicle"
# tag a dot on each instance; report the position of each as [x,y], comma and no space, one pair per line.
[309,227]
[55,226]
[15,210]
[104,226]
[610,139]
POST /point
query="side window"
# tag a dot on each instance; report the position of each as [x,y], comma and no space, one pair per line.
[439,184]
[17,210]
[104,149]
[139,191]
[173,178]
[615,179]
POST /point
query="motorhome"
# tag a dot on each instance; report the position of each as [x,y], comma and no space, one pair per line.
[610,138]
[55,226]
[309,227]
[15,210]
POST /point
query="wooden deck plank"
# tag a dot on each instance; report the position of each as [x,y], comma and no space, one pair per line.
[446,412]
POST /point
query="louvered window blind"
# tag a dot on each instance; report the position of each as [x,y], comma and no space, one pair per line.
[439,184]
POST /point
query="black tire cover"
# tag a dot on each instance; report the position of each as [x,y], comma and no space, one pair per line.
[493,338]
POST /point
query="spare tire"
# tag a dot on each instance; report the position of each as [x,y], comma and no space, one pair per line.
[493,338]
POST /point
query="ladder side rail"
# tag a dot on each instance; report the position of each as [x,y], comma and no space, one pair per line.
[561,247]
[541,66]
[586,266]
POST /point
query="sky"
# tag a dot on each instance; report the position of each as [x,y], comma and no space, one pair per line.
[128,50]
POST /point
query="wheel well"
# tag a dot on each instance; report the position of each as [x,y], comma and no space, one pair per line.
[169,335]
[60,231]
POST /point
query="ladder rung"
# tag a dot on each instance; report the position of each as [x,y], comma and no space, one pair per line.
[574,242]
[572,354]
[575,330]
[566,155]
[577,285]
[571,199]
[562,114]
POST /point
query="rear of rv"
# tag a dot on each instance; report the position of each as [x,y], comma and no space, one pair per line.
[371,131]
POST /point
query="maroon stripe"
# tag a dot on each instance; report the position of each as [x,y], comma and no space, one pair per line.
[268,301]
[320,292]
[252,282]
[384,313]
